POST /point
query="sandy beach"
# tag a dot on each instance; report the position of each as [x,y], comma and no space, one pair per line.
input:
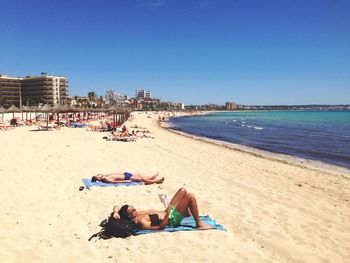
[273,211]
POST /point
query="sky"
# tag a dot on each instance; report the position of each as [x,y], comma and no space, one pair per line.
[264,52]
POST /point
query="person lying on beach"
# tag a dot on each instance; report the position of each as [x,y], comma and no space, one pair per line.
[127,177]
[141,134]
[183,204]
[121,134]
[135,126]
[125,131]
[115,136]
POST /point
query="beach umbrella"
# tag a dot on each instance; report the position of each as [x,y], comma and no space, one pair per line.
[65,109]
[35,110]
[13,109]
[46,109]
[114,110]
[25,109]
[56,109]
[30,110]
[59,109]
[2,111]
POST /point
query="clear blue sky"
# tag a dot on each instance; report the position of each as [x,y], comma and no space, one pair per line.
[191,51]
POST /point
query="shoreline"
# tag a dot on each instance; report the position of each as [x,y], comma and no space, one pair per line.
[274,156]
[272,210]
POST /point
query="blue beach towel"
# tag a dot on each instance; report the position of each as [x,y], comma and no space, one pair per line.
[87,182]
[187,224]
[78,125]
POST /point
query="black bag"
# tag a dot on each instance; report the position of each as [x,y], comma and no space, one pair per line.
[112,227]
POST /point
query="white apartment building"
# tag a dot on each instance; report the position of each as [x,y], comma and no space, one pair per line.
[114,98]
[142,94]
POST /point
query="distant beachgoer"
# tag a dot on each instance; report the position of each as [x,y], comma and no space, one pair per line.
[118,134]
[182,205]
[140,134]
[127,177]
[125,131]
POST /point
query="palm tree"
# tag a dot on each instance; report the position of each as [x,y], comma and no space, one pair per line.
[92,95]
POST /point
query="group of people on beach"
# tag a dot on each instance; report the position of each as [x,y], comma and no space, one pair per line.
[125,133]
[183,204]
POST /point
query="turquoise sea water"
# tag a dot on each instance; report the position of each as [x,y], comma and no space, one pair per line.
[315,135]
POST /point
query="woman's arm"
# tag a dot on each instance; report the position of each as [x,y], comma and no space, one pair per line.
[164,222]
[145,225]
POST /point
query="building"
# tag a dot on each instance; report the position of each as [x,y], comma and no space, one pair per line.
[32,90]
[10,91]
[230,106]
[142,94]
[136,104]
[172,106]
[114,98]
[44,89]
[147,94]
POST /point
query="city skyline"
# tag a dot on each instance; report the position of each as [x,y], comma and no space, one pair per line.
[196,52]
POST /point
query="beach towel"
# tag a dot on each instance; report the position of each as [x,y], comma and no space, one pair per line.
[87,182]
[187,224]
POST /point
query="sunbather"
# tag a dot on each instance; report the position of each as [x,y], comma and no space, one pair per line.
[120,134]
[115,136]
[141,134]
[127,177]
[182,205]
[125,131]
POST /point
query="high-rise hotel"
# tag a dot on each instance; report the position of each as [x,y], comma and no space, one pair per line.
[142,94]
[32,90]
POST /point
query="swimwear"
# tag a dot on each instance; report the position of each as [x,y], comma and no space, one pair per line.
[127,176]
[174,218]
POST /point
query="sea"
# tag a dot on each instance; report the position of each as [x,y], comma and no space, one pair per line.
[315,135]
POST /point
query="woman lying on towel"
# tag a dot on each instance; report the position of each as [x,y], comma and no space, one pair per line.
[127,177]
[182,205]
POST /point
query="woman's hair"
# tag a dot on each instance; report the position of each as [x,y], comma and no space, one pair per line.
[123,213]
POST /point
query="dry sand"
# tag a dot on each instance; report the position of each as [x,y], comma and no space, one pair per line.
[273,211]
